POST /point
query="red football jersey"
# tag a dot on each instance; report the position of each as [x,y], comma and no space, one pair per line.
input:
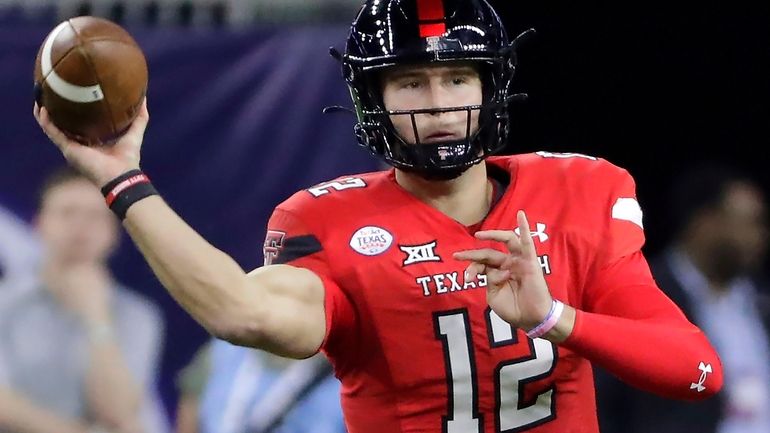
[414,343]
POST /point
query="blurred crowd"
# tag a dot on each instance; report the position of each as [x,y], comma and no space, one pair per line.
[79,351]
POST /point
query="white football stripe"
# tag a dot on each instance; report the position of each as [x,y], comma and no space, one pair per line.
[627,208]
[62,88]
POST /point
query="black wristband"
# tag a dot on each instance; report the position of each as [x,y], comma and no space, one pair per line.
[127,189]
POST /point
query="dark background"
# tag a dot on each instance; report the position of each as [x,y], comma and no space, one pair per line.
[653,88]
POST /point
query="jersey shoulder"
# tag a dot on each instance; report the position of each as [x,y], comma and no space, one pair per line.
[348,193]
[564,169]
[596,198]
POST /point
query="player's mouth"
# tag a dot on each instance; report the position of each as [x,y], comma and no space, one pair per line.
[441,136]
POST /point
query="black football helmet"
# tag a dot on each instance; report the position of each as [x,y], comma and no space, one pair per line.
[396,32]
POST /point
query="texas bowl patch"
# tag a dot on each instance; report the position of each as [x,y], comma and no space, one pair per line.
[371,240]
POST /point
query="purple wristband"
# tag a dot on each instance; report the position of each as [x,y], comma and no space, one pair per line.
[549,322]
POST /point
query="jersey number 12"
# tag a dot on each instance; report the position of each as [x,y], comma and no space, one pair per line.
[512,413]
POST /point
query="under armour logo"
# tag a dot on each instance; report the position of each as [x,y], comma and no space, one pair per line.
[540,233]
[420,253]
[705,370]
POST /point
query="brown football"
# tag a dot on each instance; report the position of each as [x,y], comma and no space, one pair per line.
[91,76]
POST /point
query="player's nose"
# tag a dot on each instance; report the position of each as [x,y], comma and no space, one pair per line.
[439,97]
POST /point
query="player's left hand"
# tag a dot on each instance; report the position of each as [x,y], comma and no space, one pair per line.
[516,287]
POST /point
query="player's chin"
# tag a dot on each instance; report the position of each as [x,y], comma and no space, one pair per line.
[443,174]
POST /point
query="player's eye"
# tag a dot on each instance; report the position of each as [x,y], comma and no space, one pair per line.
[411,84]
[458,80]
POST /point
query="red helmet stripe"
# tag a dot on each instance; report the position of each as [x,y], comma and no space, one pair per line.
[431,16]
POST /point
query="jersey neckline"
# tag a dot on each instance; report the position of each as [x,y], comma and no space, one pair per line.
[498,169]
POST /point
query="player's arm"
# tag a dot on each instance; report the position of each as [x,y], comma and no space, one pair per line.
[627,324]
[279,308]
[633,330]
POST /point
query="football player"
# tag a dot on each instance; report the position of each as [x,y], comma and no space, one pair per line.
[457,291]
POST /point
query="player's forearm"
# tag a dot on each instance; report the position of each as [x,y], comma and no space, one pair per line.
[665,357]
[276,308]
[18,415]
[114,397]
[207,283]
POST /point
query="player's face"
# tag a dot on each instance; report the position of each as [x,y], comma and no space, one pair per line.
[74,223]
[415,87]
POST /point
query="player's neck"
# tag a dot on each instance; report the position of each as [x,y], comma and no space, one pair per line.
[465,199]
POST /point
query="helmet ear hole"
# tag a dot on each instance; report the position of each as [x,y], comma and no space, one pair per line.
[335,53]
[361,135]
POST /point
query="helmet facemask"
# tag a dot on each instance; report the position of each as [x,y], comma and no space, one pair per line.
[476,35]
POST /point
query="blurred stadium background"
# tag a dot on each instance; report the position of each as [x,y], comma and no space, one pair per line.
[237,88]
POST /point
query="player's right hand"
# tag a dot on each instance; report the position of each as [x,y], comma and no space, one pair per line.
[516,288]
[101,164]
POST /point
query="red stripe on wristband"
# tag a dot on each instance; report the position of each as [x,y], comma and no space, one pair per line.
[131,181]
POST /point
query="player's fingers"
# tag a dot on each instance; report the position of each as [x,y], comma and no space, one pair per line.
[497,277]
[36,111]
[53,133]
[486,256]
[144,113]
[527,244]
[508,237]
[473,270]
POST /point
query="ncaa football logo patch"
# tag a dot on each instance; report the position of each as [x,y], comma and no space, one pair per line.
[371,240]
